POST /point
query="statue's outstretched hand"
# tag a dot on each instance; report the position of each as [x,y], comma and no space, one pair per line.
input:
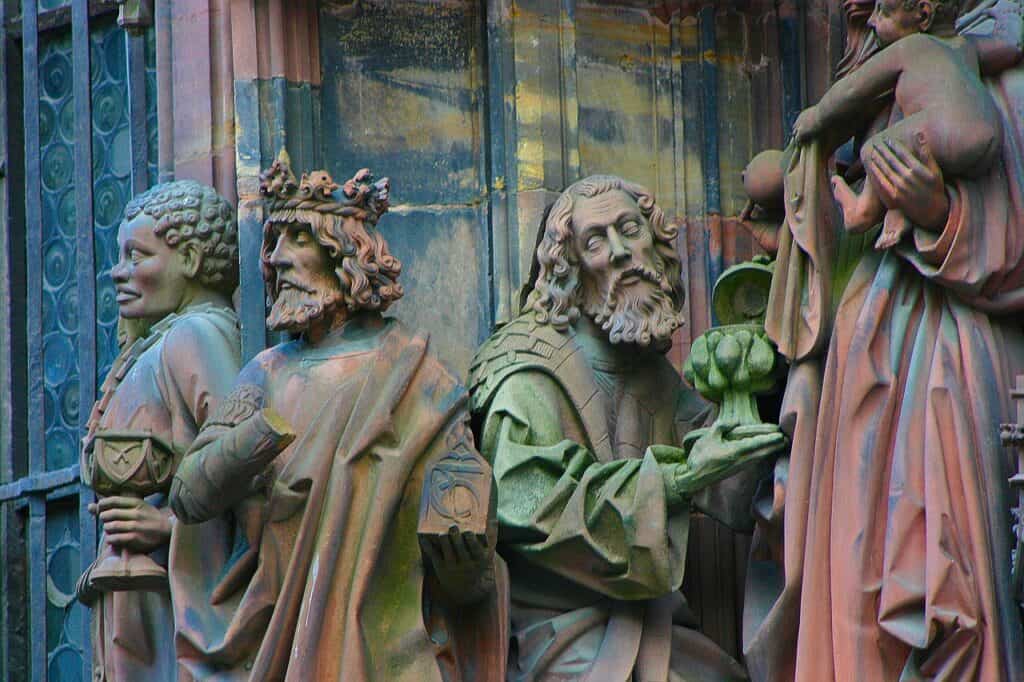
[463,564]
[724,449]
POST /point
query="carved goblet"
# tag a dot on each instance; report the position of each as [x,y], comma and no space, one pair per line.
[734,363]
[134,465]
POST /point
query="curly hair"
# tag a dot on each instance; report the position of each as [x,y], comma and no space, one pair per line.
[187,211]
[363,264]
[946,11]
[556,292]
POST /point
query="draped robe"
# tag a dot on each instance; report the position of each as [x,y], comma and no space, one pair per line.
[894,502]
[317,573]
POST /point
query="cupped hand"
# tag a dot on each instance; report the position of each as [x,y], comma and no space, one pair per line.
[133,523]
[726,448]
[462,563]
[910,181]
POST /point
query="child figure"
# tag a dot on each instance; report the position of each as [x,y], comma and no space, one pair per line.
[936,77]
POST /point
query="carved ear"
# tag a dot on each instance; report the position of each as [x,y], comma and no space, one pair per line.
[191,255]
[925,15]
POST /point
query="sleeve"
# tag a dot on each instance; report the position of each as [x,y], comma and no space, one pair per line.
[229,454]
[201,361]
[603,525]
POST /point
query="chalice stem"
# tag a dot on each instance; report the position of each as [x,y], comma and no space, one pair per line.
[739,407]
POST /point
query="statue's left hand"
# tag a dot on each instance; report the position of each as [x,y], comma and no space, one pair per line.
[726,448]
[910,181]
[807,125]
[133,523]
[462,563]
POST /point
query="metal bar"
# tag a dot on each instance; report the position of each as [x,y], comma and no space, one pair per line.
[8,594]
[34,237]
[6,282]
[135,46]
[38,483]
[37,586]
[85,270]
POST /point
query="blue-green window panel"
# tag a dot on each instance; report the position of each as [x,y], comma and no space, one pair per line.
[64,615]
[111,190]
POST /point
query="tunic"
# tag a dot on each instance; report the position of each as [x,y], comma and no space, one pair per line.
[167,384]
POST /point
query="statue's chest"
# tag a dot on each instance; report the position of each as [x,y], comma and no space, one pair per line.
[299,390]
[637,414]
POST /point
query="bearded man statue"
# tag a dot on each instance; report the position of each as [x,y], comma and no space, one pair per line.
[308,481]
[582,418]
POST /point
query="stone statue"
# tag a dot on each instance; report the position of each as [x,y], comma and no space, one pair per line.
[893,506]
[310,477]
[583,419]
[178,265]
[935,74]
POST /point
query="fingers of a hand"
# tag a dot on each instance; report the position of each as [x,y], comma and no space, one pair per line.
[898,153]
[118,502]
[123,539]
[748,430]
[898,158]
[115,527]
[430,549]
[477,550]
[93,508]
[884,177]
[723,428]
[444,547]
[458,541]
[755,443]
[118,515]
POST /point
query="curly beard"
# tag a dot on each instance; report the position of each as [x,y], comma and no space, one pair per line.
[295,310]
[643,314]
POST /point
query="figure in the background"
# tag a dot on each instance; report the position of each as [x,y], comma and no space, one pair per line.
[935,75]
[178,265]
[310,477]
[584,420]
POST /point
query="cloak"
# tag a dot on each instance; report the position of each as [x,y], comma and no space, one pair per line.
[321,577]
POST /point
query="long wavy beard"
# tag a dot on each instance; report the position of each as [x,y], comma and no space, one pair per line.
[295,310]
[642,315]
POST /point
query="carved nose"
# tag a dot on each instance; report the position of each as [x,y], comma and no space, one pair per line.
[618,251]
[119,273]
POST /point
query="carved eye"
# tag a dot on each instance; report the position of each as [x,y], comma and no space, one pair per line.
[594,242]
[630,228]
[135,256]
[302,237]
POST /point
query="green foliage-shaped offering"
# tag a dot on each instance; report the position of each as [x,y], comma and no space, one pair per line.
[733,363]
[730,365]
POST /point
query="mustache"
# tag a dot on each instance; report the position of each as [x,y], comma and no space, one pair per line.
[650,275]
[294,284]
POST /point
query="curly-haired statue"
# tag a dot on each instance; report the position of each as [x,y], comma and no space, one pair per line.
[177,267]
[592,437]
[307,558]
